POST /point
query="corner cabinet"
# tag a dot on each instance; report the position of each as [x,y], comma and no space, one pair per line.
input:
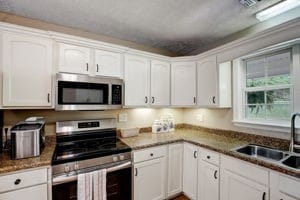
[27,70]
[175,169]
[213,83]
[74,59]
[160,83]
[183,84]
[137,80]
[190,170]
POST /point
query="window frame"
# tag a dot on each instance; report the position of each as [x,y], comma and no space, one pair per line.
[239,86]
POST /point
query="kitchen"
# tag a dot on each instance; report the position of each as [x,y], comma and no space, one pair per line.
[150,100]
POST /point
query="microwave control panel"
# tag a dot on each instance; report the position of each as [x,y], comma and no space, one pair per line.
[116,94]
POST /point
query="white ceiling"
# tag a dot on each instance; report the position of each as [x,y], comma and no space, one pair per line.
[181,26]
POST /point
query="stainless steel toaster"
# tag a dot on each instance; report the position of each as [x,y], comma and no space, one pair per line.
[27,139]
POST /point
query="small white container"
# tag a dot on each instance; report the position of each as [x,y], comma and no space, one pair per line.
[156,126]
[129,132]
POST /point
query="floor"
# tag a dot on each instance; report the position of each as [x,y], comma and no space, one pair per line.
[181,197]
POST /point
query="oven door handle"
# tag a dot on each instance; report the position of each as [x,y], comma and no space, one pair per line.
[65,179]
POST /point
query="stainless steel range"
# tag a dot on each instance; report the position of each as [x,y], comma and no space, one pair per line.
[89,145]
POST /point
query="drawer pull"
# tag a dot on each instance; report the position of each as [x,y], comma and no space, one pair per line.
[18,181]
[215,174]
[195,154]
[208,157]
[264,196]
[151,154]
[136,171]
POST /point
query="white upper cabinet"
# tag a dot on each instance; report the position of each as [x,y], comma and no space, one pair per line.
[160,83]
[108,63]
[183,83]
[137,81]
[175,169]
[214,83]
[27,70]
[74,59]
[190,170]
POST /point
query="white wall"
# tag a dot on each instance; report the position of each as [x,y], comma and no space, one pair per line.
[222,119]
[138,117]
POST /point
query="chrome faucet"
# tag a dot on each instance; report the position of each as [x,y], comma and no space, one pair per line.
[294,147]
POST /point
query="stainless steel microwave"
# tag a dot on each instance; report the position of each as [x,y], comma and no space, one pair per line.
[83,92]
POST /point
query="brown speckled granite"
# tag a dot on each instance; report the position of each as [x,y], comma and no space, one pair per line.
[8,165]
[216,140]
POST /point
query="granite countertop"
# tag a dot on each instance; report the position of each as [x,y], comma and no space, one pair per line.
[8,165]
[219,141]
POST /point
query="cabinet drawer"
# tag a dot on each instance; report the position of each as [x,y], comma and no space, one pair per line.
[289,186]
[210,156]
[38,192]
[150,153]
[23,179]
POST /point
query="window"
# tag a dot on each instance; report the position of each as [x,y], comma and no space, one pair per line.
[268,88]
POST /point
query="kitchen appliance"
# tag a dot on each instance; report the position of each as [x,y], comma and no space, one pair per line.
[86,146]
[83,92]
[27,139]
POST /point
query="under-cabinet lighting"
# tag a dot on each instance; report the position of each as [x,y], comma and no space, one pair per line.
[277,9]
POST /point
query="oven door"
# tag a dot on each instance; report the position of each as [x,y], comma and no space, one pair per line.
[118,185]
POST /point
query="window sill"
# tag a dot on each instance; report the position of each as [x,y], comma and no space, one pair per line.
[269,126]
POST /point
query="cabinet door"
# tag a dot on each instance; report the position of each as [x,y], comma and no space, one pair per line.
[149,180]
[160,83]
[27,70]
[39,192]
[208,181]
[183,83]
[236,187]
[207,82]
[175,169]
[74,59]
[137,81]
[190,170]
[282,196]
[108,63]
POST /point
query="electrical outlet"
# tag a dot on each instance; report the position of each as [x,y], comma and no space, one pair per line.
[200,117]
[123,117]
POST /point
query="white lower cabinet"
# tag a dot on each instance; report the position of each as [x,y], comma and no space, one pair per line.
[175,169]
[240,180]
[150,174]
[208,175]
[190,168]
[38,192]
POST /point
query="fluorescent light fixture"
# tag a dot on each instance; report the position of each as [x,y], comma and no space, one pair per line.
[277,9]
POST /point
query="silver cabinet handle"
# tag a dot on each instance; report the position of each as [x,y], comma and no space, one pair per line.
[48,97]
[194,99]
[215,174]
[136,172]
[195,154]
[97,70]
[146,99]
[153,99]
[87,66]
[214,99]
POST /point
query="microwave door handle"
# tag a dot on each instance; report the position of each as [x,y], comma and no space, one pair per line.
[66,179]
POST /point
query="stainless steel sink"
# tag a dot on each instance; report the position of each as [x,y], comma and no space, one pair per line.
[261,152]
[292,161]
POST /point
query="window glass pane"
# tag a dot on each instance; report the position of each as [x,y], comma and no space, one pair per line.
[278,111]
[255,111]
[256,97]
[278,96]
[278,69]
[255,73]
